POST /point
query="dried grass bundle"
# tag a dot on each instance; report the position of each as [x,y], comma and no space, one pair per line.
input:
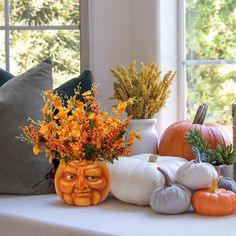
[148,91]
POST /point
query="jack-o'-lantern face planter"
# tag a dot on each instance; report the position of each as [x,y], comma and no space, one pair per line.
[82,183]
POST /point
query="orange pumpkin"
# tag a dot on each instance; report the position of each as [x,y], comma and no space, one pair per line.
[214,201]
[173,142]
[82,183]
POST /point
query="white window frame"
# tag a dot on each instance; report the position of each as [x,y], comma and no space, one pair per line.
[84,42]
[183,62]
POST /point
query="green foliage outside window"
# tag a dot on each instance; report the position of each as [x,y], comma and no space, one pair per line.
[29,47]
[211,34]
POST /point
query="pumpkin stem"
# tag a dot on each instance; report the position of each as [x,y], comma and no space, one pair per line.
[166,177]
[197,155]
[200,114]
[153,158]
[214,187]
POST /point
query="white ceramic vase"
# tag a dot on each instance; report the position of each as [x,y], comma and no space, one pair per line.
[146,128]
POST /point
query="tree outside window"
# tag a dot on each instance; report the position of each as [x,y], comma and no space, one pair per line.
[210,52]
[33,30]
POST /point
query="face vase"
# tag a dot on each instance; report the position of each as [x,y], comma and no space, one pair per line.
[82,183]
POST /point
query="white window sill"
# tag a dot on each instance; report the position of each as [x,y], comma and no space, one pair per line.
[47,215]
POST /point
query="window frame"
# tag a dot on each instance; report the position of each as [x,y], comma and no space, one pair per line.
[82,26]
[183,62]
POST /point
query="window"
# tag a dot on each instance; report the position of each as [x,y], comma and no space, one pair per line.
[208,53]
[33,30]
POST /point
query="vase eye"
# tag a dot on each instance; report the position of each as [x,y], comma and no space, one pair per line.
[92,178]
[70,177]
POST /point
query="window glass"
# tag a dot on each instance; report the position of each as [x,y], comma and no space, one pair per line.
[29,47]
[44,12]
[2,49]
[214,85]
[1,13]
[210,29]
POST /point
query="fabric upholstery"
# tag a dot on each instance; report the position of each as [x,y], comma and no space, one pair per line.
[20,171]
[5,76]
[83,82]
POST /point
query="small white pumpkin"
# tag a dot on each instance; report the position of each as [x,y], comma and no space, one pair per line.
[171,198]
[133,178]
[196,174]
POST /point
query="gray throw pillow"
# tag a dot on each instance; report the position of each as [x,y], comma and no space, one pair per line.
[20,171]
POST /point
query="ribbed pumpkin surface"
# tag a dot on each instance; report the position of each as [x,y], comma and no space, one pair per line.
[173,142]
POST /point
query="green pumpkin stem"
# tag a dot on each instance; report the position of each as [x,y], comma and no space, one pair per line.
[166,177]
[197,155]
[200,114]
[214,187]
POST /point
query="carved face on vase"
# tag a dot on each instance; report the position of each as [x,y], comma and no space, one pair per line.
[82,183]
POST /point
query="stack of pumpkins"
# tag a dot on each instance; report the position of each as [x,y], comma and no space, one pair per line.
[175,181]
[173,142]
[197,183]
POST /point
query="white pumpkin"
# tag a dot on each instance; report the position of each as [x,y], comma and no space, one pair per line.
[196,174]
[134,178]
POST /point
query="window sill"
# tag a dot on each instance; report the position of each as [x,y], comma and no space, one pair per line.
[47,215]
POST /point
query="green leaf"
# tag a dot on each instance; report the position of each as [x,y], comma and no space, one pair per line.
[88,150]
[120,135]
[66,159]
[92,124]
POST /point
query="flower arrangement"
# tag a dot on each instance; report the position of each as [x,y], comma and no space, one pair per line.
[79,131]
[145,87]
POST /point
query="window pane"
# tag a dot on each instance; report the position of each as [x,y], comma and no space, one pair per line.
[2,49]
[210,29]
[214,85]
[44,12]
[31,47]
[2,13]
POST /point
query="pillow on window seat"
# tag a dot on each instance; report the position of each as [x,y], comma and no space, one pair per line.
[5,76]
[20,171]
[83,82]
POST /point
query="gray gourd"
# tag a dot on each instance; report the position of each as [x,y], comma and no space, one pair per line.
[170,198]
[226,182]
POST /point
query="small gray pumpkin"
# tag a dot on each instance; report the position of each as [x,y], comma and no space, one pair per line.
[227,183]
[170,198]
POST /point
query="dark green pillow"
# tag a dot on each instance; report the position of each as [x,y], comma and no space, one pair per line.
[5,76]
[84,82]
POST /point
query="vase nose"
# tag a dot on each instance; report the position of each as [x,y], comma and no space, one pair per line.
[81,183]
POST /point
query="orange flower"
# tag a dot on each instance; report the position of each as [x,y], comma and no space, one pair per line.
[48,92]
[79,130]
[120,108]
[37,149]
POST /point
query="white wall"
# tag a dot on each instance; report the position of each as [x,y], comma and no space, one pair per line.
[123,30]
[109,42]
